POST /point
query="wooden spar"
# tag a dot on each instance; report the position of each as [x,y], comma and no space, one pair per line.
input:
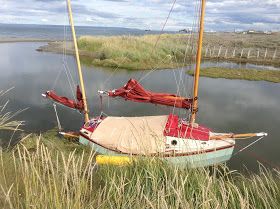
[69,135]
[236,136]
[78,61]
[198,62]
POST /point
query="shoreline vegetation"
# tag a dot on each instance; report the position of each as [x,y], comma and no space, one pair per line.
[51,172]
[241,74]
[15,40]
[171,50]
[140,53]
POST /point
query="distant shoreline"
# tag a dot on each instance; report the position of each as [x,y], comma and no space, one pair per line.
[137,52]
[15,40]
[134,52]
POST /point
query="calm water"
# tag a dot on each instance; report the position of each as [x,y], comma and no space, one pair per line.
[57,31]
[225,105]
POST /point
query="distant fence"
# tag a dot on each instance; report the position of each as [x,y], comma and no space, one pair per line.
[247,53]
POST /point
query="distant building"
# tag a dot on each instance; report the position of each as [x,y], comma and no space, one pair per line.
[268,32]
[257,32]
[188,30]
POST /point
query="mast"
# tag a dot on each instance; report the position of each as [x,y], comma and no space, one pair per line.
[78,60]
[198,62]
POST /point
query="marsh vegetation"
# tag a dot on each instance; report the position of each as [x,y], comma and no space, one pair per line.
[48,172]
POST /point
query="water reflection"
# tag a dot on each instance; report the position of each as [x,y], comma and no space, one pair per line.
[225,105]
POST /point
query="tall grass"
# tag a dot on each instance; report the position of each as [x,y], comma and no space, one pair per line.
[37,174]
[175,50]
[135,52]
[8,123]
[6,117]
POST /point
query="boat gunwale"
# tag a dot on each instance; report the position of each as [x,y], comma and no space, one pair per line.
[161,154]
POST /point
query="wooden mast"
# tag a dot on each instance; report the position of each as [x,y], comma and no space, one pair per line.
[78,60]
[198,62]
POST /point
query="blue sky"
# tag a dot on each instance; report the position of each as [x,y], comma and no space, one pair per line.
[145,14]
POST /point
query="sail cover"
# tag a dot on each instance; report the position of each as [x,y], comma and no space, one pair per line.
[135,92]
[79,105]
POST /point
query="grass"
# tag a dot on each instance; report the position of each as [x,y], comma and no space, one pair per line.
[48,172]
[171,50]
[134,52]
[7,121]
[242,74]
[140,53]
[6,118]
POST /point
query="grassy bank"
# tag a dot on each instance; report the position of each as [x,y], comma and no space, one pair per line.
[242,74]
[134,52]
[48,172]
[140,53]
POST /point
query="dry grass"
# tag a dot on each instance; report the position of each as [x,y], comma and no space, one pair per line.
[8,123]
[6,118]
[134,52]
[172,50]
[139,52]
[39,174]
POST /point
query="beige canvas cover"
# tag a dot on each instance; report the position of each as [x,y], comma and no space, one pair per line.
[132,135]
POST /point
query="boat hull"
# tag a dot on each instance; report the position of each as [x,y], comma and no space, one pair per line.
[187,159]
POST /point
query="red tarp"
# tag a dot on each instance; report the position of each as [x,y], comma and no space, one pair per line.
[135,92]
[79,105]
[184,130]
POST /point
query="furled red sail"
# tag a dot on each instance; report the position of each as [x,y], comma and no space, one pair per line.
[135,92]
[79,105]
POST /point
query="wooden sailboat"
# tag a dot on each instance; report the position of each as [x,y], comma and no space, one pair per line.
[177,140]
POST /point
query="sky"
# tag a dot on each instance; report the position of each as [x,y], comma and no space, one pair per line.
[221,15]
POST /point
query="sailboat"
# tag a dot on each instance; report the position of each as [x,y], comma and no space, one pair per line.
[181,141]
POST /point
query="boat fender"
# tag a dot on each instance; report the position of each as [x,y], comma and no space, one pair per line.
[113,160]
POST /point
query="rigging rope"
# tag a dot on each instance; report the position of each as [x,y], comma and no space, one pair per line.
[158,38]
[249,145]
[256,156]
[57,118]
[66,70]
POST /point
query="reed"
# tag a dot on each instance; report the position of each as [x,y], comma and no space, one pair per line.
[7,122]
[38,174]
[134,52]
[176,50]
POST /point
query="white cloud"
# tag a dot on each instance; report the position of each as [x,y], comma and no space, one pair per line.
[220,15]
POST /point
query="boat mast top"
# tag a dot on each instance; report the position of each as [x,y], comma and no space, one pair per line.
[198,62]
[78,61]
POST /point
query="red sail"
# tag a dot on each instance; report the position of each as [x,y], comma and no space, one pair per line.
[135,92]
[79,105]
